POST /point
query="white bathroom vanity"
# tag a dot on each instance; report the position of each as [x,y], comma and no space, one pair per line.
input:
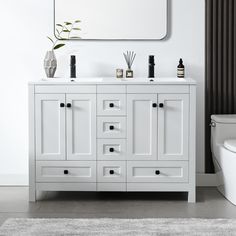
[105,134]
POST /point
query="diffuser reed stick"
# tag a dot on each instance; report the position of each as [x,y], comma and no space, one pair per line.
[129,58]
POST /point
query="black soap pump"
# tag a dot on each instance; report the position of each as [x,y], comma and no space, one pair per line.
[180,69]
[73,66]
[151,67]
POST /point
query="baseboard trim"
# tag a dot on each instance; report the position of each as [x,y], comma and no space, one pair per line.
[206,180]
[14,180]
[203,180]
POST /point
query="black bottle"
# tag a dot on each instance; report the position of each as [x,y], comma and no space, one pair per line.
[73,66]
[180,69]
[151,67]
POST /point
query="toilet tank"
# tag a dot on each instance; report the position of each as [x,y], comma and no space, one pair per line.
[222,127]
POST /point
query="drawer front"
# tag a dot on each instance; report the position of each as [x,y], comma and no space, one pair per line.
[157,171]
[111,127]
[65,89]
[111,104]
[157,89]
[111,89]
[111,149]
[111,171]
[63,171]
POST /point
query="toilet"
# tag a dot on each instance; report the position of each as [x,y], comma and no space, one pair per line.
[223,146]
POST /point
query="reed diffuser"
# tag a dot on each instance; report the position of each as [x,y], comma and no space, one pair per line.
[129,58]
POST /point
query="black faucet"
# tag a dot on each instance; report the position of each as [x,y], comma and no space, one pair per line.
[73,66]
[151,67]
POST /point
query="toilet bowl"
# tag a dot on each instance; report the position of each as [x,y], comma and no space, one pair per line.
[223,146]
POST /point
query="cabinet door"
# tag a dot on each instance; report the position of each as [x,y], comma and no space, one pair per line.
[50,126]
[81,126]
[173,125]
[142,127]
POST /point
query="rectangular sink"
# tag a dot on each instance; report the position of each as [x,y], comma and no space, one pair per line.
[88,79]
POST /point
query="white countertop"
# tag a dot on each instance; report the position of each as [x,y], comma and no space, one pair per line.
[106,80]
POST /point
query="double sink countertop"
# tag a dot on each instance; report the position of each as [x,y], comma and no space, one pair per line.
[113,80]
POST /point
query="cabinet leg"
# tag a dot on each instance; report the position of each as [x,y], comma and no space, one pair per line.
[32,195]
[192,196]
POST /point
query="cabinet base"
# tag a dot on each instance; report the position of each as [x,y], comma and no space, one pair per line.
[115,187]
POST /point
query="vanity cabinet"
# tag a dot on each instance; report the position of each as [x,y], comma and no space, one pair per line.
[112,136]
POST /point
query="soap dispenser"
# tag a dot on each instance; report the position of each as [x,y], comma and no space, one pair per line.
[151,67]
[180,69]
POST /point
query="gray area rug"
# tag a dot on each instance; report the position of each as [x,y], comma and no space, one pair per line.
[105,227]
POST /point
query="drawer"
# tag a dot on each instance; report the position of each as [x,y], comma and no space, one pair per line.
[111,171]
[111,149]
[65,89]
[157,89]
[157,171]
[66,171]
[111,127]
[111,89]
[111,104]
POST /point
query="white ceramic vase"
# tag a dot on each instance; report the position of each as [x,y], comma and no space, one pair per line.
[50,64]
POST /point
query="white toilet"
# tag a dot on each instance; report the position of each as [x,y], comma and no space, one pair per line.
[223,146]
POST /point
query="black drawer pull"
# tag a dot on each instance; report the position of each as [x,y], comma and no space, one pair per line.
[154,105]
[112,127]
[68,105]
[111,105]
[66,172]
[111,149]
[157,172]
[161,105]
[112,172]
[62,104]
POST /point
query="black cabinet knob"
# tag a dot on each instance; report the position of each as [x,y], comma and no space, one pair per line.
[112,172]
[68,105]
[62,104]
[66,172]
[154,105]
[157,172]
[111,105]
[112,127]
[161,105]
[111,149]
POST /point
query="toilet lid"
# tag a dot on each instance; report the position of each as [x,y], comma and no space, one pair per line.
[230,144]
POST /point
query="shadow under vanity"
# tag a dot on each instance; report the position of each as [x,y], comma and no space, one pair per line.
[104,134]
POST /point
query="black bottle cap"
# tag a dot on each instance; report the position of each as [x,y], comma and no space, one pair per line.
[181,61]
[72,59]
[151,59]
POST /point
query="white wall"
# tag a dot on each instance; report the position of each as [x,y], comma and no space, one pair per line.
[24,27]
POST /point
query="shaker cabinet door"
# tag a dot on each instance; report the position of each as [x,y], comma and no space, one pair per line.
[142,126]
[50,126]
[81,126]
[173,126]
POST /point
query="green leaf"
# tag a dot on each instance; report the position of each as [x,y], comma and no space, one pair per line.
[63,39]
[59,46]
[68,23]
[76,29]
[59,25]
[67,31]
[57,31]
[50,39]
[77,21]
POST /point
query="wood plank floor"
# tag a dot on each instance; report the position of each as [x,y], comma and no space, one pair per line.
[210,204]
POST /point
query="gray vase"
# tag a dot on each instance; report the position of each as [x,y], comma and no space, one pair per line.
[50,64]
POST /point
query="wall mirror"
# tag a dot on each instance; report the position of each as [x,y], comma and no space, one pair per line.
[111,19]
